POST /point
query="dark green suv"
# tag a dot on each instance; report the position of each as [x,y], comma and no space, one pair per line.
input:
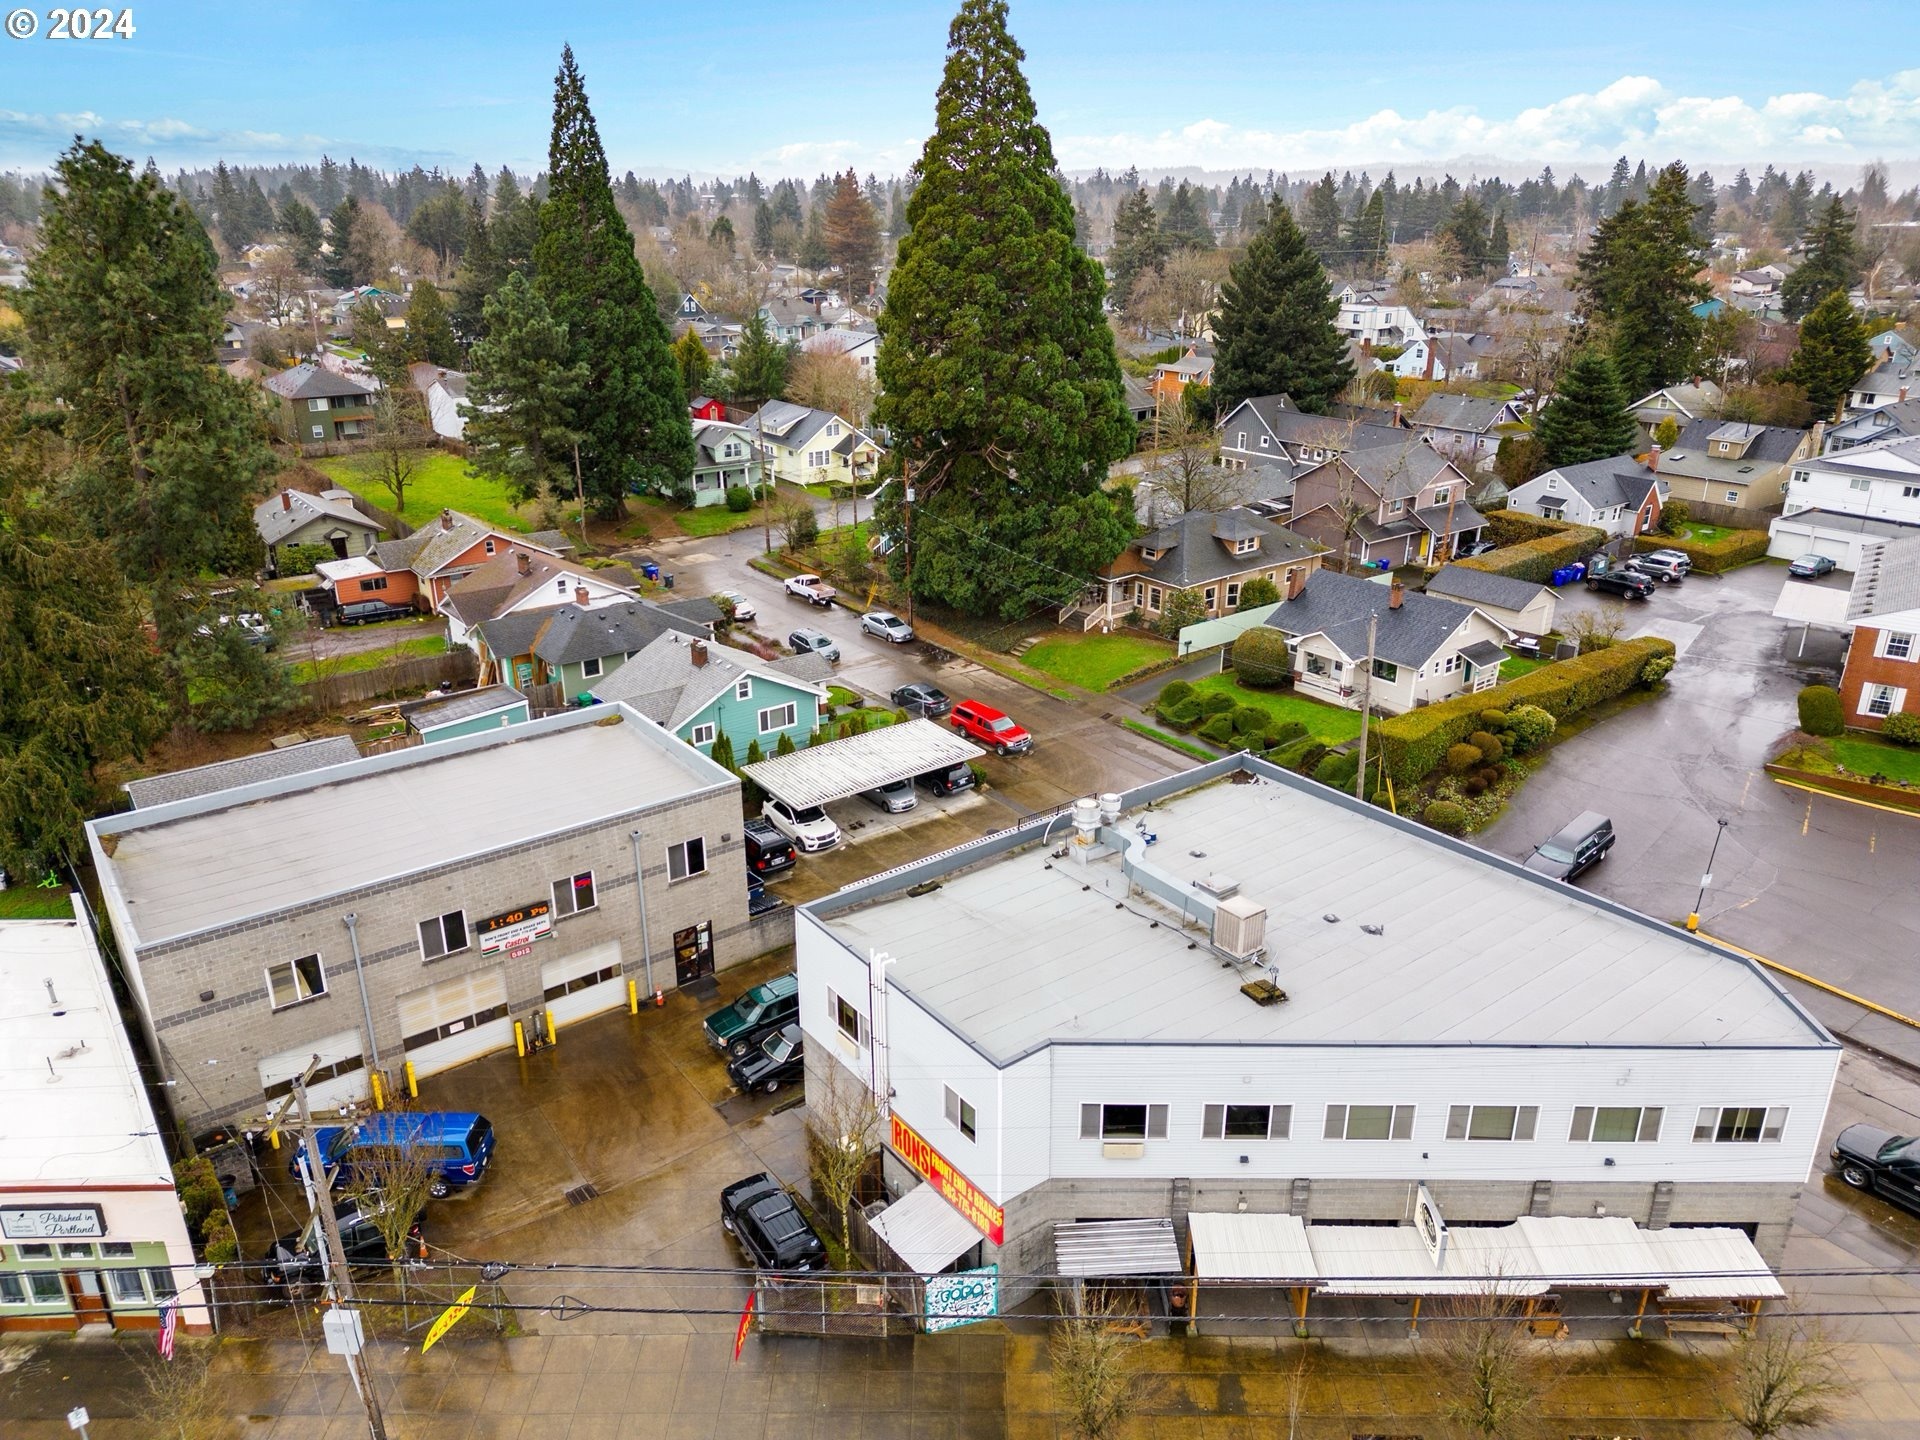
[755,1015]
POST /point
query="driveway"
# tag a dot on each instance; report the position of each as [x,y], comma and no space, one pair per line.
[1819,884]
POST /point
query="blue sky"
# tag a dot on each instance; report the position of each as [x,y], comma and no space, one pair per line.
[812,84]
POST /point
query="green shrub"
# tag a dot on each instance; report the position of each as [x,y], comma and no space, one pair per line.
[1250,720]
[754,753]
[1257,592]
[1488,745]
[220,1246]
[1446,815]
[722,751]
[199,1188]
[1463,757]
[1310,757]
[1675,515]
[803,527]
[1215,702]
[1529,726]
[300,559]
[1475,785]
[1219,729]
[1260,657]
[1493,721]
[1738,547]
[1338,771]
[1289,755]
[1656,670]
[1532,548]
[1182,714]
[784,745]
[1173,692]
[1183,608]
[1820,712]
[1902,728]
[739,499]
[1286,734]
[1416,743]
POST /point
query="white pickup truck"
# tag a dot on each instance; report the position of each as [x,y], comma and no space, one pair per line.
[812,589]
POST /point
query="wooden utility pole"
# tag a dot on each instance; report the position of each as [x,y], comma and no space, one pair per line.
[1366,705]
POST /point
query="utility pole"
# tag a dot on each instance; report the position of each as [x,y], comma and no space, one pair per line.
[906,510]
[1366,705]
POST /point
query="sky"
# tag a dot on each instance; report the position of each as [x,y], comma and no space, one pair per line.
[812,85]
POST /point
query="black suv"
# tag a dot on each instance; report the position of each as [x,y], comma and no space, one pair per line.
[760,1214]
[1869,1158]
[295,1259]
[1580,845]
[946,782]
[768,851]
[1628,584]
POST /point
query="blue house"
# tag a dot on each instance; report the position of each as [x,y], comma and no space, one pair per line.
[701,690]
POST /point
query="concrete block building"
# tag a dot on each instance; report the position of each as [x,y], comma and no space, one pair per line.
[408,908]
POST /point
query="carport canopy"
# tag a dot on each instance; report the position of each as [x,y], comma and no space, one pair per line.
[1115,1249]
[925,1231]
[820,774]
[1239,1247]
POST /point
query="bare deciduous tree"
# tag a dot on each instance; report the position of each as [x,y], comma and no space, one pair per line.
[1091,1350]
[843,1136]
[1183,472]
[830,381]
[1177,298]
[1598,629]
[184,1402]
[1781,1382]
[1489,1373]
[393,1183]
[400,442]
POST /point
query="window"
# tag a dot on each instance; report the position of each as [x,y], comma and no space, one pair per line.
[1153,597]
[37,1251]
[292,981]
[1147,552]
[1910,492]
[705,734]
[319,432]
[687,859]
[1265,442]
[116,1250]
[1386,670]
[129,1286]
[1123,1122]
[853,1025]
[817,459]
[1492,1122]
[1316,664]
[1246,1122]
[1739,1124]
[1233,594]
[833,430]
[1247,546]
[1369,1122]
[1896,646]
[160,1280]
[743,688]
[1207,598]
[1241,443]
[443,935]
[12,1292]
[960,1114]
[378,582]
[317,404]
[1396,507]
[1453,664]
[1860,484]
[779,717]
[76,1250]
[1618,1124]
[490,545]
[591,668]
[1442,495]
[573,893]
[1881,700]
[47,1287]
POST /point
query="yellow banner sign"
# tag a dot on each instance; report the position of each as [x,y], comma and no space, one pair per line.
[450,1317]
[953,1187]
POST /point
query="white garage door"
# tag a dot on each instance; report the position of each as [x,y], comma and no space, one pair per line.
[584,984]
[340,1079]
[459,1019]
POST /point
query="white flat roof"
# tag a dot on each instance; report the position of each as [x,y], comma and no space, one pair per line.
[925,1231]
[1378,1260]
[1233,1246]
[72,1109]
[351,568]
[185,867]
[1024,950]
[839,768]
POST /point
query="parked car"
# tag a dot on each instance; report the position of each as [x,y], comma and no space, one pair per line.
[894,799]
[1811,567]
[367,612]
[253,628]
[779,1059]
[990,727]
[887,626]
[457,1144]
[808,826]
[768,851]
[1869,1158]
[1576,848]
[923,699]
[814,642]
[1679,557]
[1662,568]
[1628,584]
[761,1215]
[812,589]
[950,781]
[738,1027]
[1478,547]
[743,610]
[294,1259]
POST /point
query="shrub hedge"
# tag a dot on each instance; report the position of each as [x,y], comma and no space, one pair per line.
[1739,547]
[1446,815]
[1902,727]
[1537,546]
[1820,712]
[1414,744]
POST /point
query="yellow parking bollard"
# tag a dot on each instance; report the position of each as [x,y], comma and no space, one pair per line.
[413,1083]
[379,1091]
[553,1030]
[633,998]
[273,1138]
[520,1039]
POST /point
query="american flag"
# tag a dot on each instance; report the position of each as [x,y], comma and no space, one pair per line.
[169,1314]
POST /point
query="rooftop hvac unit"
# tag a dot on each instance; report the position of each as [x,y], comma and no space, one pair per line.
[1240,927]
[1218,886]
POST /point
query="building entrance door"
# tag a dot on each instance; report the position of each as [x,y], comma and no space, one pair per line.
[88,1296]
[693,953]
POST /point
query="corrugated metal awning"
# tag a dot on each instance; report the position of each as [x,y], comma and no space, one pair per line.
[1251,1247]
[839,768]
[1712,1264]
[1378,1260]
[1115,1248]
[925,1231]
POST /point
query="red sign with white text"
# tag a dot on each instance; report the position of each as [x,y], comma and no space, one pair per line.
[958,1191]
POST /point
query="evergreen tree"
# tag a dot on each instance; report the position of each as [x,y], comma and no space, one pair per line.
[440,224]
[1321,220]
[1464,236]
[1138,244]
[632,416]
[346,265]
[1833,353]
[758,370]
[479,275]
[228,214]
[329,192]
[302,229]
[1832,262]
[1275,334]
[1366,235]
[853,235]
[1184,226]
[691,356]
[1499,247]
[514,224]
[429,328]
[1588,419]
[1639,279]
[814,254]
[1000,388]
[763,230]
[524,395]
[1253,217]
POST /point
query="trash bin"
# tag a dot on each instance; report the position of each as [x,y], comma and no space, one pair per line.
[650,570]
[667,580]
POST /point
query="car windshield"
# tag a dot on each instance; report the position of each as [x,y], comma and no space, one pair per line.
[779,1047]
[1556,850]
[811,815]
[1901,1147]
[1001,725]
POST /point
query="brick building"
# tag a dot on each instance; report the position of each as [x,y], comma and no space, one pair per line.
[1882,674]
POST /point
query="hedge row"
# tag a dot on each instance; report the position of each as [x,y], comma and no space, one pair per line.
[1553,543]
[1738,547]
[1416,743]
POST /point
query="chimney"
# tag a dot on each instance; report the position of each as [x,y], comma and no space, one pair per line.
[1653,459]
[1903,392]
[525,560]
[697,652]
[580,594]
[1396,595]
[1399,417]
[1296,581]
[286,499]
[446,519]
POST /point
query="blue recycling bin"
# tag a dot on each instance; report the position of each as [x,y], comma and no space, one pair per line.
[650,570]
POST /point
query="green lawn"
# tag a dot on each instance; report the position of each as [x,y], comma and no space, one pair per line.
[716,520]
[31,902]
[1094,662]
[440,482]
[1705,534]
[305,671]
[1328,724]
[1864,756]
[1513,667]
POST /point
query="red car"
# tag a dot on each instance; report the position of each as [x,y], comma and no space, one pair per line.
[991,728]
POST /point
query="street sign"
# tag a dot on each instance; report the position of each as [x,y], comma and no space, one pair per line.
[77,1418]
[450,1317]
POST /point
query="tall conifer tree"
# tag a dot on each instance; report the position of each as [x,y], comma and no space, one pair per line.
[1588,419]
[1833,353]
[1275,333]
[1832,263]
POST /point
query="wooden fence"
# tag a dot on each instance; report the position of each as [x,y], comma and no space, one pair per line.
[411,678]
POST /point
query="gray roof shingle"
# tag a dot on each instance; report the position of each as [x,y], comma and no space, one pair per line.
[1615,480]
[1460,412]
[246,770]
[1338,606]
[1480,587]
[1195,553]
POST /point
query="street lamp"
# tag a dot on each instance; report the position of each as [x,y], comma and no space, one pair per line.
[1693,920]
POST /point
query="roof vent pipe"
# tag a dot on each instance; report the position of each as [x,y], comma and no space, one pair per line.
[1086,821]
[1109,807]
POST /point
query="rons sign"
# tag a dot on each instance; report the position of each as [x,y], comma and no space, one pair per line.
[953,1187]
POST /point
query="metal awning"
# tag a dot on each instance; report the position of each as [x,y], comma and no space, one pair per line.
[1712,1264]
[840,768]
[1805,603]
[925,1231]
[1115,1249]
[1380,1260]
[1237,1247]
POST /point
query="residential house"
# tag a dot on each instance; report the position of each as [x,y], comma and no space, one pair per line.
[445,394]
[723,458]
[1266,488]
[465,712]
[705,407]
[1464,428]
[805,446]
[573,647]
[1373,320]
[1169,381]
[1519,605]
[1882,672]
[1445,356]
[1889,383]
[1268,429]
[700,690]
[1359,292]
[692,310]
[1695,400]
[318,406]
[1899,346]
[1897,421]
[791,319]
[1731,472]
[1142,405]
[1387,505]
[420,569]
[293,517]
[1878,482]
[523,578]
[720,339]
[1618,494]
[1210,554]
[862,346]
[1761,282]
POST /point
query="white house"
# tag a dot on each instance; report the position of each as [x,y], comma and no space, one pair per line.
[1763,280]
[860,346]
[1519,605]
[1375,323]
[1839,502]
[1887,384]
[1618,495]
[1261,998]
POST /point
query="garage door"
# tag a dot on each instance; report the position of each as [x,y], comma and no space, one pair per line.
[584,984]
[340,1079]
[459,1019]
[1835,547]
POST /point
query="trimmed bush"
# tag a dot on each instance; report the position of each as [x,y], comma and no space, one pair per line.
[1464,757]
[739,499]
[1493,720]
[1286,734]
[1529,726]
[1446,815]
[1675,516]
[1416,743]
[1219,730]
[1173,692]
[1656,670]
[1289,755]
[1215,702]
[1739,547]
[1310,757]
[1820,712]
[1338,771]
[1182,714]
[1902,728]
[1250,720]
[1260,658]
[1475,785]
[1488,745]
[1532,548]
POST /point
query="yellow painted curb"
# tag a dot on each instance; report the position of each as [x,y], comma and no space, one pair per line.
[1812,980]
[1845,799]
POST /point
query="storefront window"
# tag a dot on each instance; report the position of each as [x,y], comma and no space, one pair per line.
[47,1286]
[73,1250]
[128,1287]
[12,1292]
[162,1282]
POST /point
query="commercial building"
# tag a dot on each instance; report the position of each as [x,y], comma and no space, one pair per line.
[91,1232]
[411,906]
[1234,992]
